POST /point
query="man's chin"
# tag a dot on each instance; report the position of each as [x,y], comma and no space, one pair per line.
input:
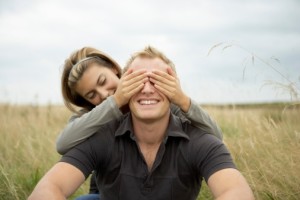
[146,116]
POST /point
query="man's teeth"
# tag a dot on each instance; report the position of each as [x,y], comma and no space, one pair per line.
[148,102]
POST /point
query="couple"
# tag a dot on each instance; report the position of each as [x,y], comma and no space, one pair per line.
[147,153]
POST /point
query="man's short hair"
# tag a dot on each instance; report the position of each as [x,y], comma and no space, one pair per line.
[149,52]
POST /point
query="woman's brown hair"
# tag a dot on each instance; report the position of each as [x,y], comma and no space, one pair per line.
[73,69]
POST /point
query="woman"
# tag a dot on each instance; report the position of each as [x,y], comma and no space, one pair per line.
[92,81]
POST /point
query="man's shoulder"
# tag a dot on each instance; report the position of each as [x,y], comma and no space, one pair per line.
[198,137]
[193,131]
[193,134]
[112,126]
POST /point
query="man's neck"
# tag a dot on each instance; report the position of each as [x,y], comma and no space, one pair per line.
[150,133]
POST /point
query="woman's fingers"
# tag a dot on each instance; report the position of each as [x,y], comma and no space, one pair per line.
[165,82]
[130,83]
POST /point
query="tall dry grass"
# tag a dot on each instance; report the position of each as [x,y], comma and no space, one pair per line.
[264,141]
[27,146]
[265,144]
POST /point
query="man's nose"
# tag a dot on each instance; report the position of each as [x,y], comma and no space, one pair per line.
[148,87]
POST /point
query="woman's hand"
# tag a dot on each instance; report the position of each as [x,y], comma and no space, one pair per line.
[169,84]
[130,83]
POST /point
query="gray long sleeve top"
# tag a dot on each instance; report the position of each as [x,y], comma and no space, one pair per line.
[80,128]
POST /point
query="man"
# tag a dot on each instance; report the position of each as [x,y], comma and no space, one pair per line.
[148,153]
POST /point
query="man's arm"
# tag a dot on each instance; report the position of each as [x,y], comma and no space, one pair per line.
[59,182]
[229,184]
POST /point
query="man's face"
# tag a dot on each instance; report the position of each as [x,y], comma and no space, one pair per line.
[149,104]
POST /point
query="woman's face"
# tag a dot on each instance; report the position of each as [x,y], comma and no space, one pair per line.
[97,83]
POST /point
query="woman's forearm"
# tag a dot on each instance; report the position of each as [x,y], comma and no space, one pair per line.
[79,129]
[199,118]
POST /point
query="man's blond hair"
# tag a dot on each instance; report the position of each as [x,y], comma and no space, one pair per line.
[149,52]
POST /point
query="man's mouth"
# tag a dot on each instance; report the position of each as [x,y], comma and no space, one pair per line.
[148,102]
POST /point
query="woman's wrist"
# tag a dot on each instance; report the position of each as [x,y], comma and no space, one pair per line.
[185,104]
[117,100]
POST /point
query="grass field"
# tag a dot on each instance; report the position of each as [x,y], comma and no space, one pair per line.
[263,139]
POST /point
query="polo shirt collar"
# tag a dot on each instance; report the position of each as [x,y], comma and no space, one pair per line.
[174,128]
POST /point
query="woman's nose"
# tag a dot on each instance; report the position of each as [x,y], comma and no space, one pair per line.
[102,93]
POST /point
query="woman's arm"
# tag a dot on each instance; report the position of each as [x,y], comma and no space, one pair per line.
[80,128]
[199,118]
[169,84]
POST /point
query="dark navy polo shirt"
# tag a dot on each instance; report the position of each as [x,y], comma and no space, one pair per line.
[186,156]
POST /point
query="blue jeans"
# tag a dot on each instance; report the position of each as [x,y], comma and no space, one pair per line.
[89,197]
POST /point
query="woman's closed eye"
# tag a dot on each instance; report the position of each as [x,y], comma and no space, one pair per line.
[101,80]
[91,95]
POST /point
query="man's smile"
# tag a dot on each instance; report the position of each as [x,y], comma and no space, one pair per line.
[148,101]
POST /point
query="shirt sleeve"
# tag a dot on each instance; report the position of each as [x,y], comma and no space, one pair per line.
[91,154]
[80,128]
[199,118]
[80,157]
[209,155]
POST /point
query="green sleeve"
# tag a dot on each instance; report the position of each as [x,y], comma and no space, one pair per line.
[80,128]
[199,118]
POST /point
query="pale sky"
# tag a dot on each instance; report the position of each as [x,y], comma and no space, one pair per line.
[37,36]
